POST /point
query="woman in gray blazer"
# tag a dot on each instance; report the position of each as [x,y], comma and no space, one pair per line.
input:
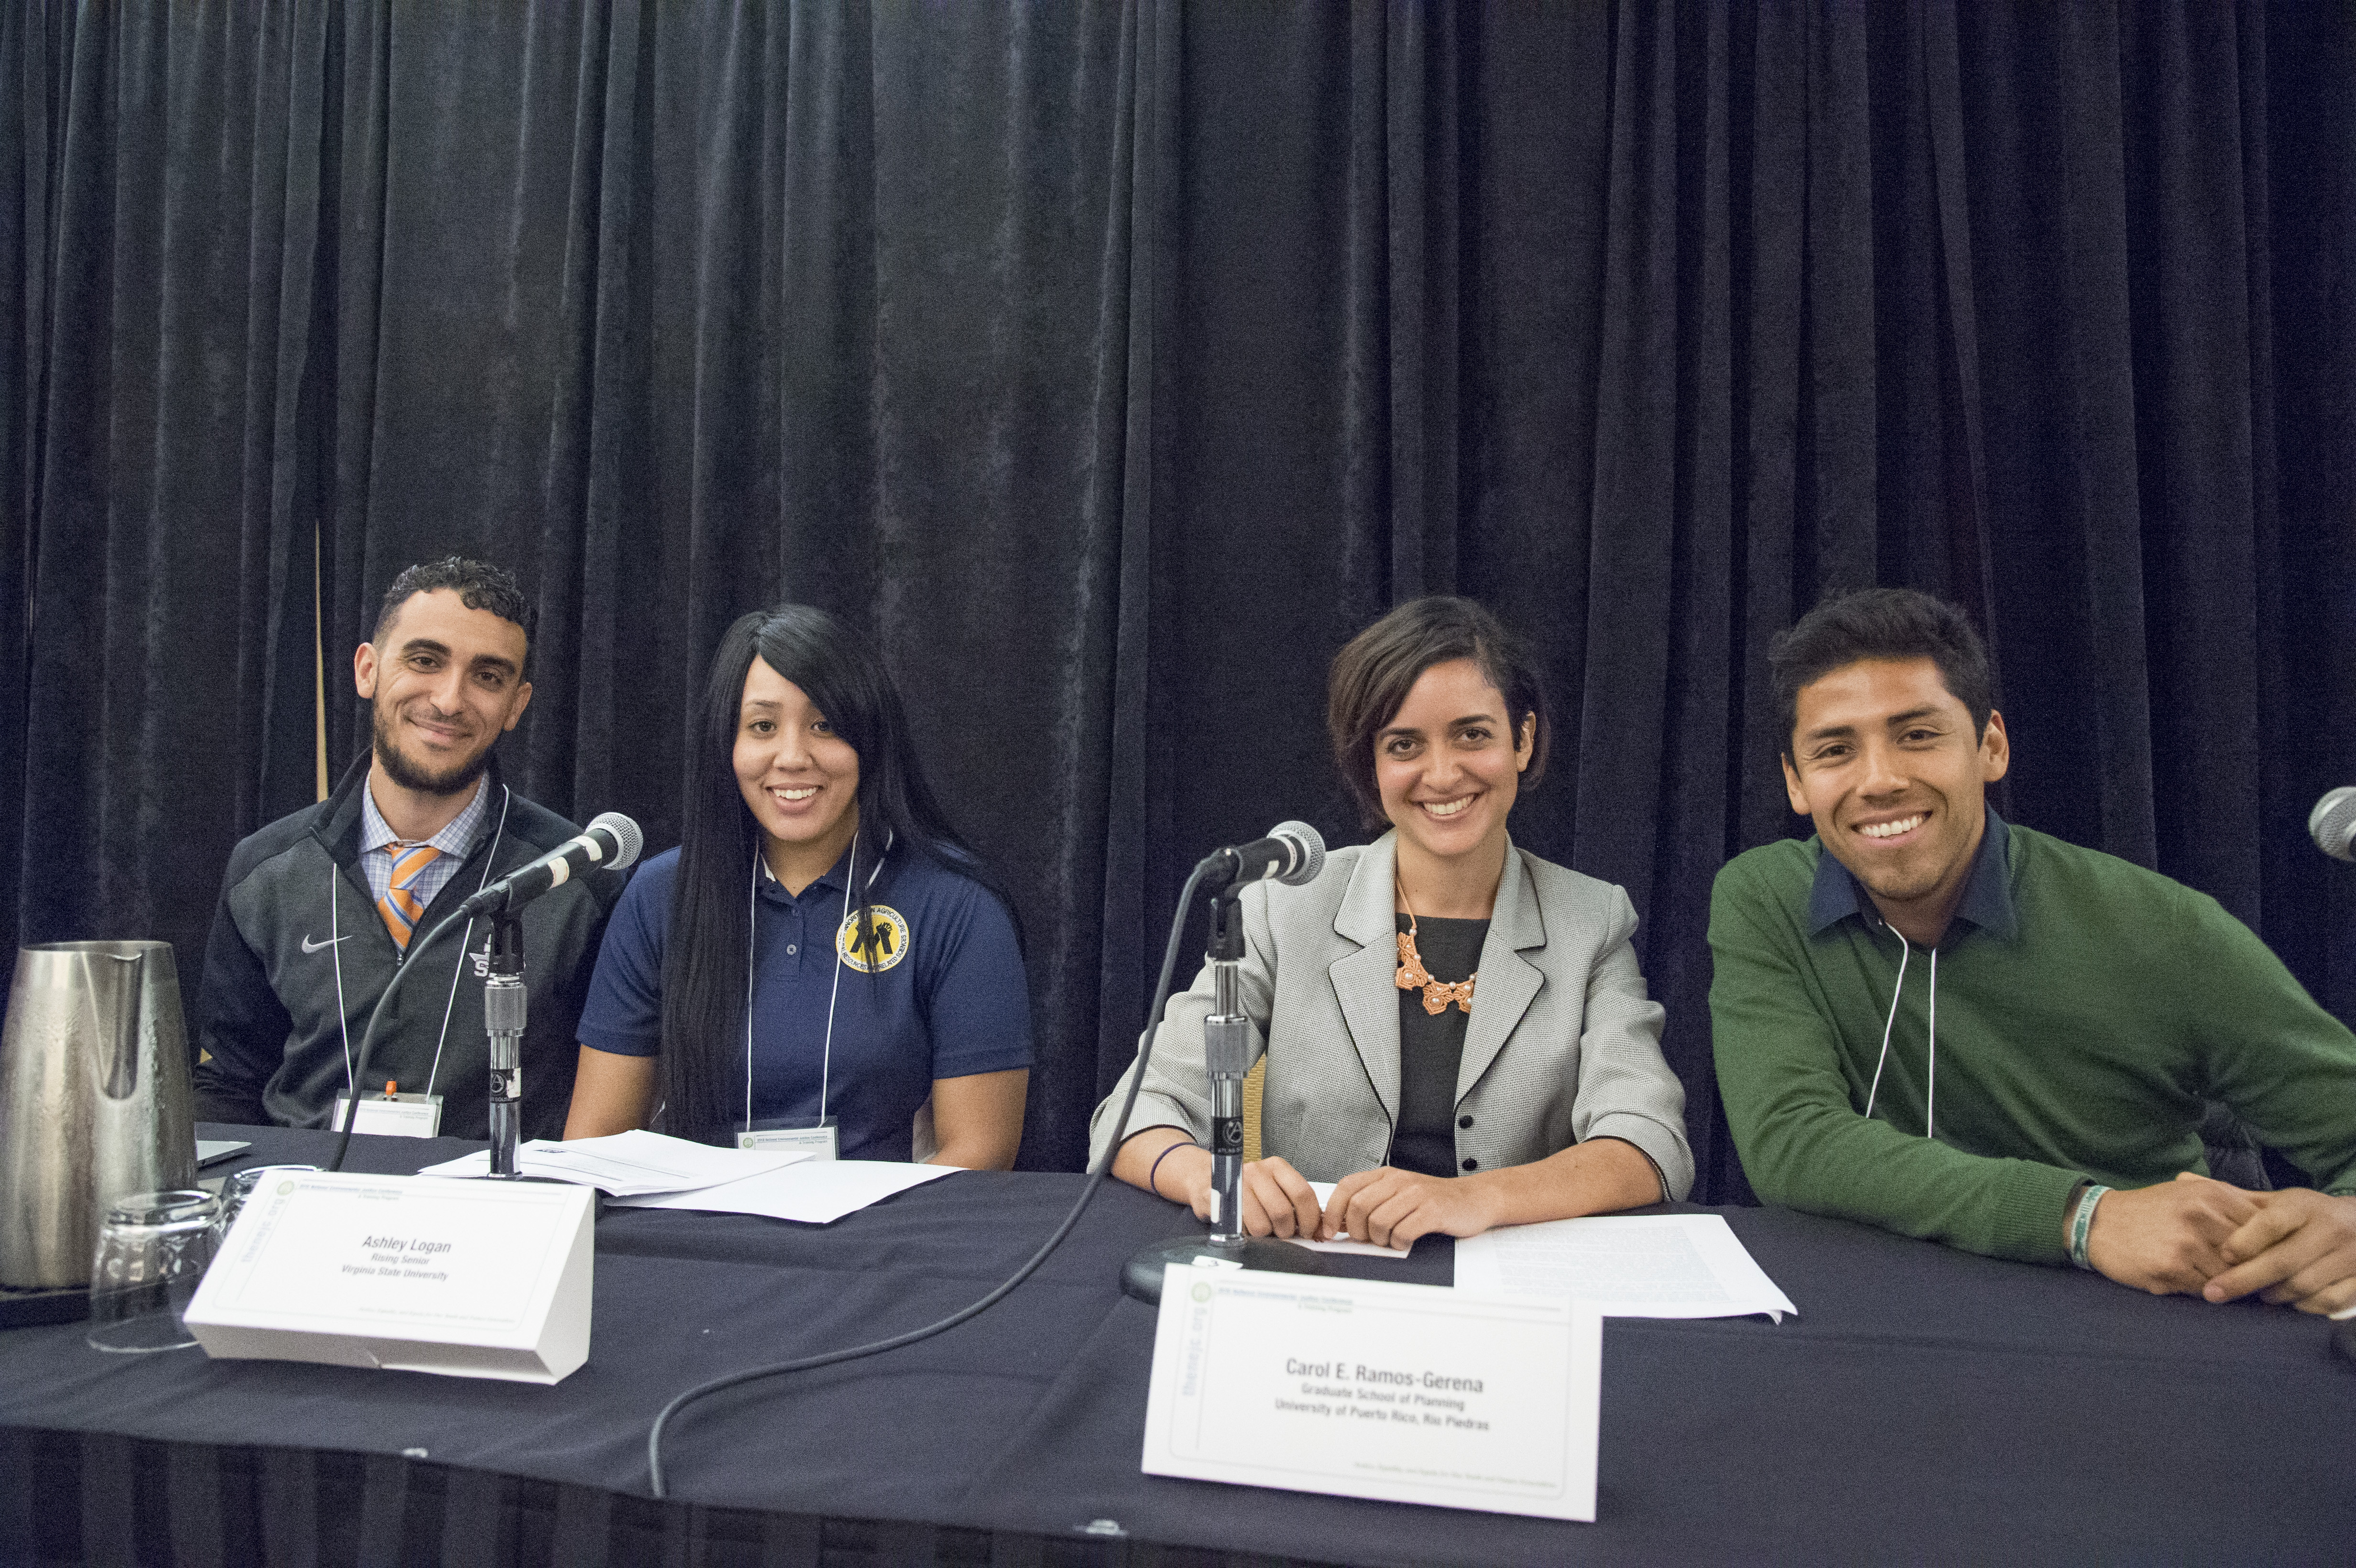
[1457,1033]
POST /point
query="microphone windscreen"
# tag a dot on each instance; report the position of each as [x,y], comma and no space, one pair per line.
[2332,823]
[629,841]
[1313,859]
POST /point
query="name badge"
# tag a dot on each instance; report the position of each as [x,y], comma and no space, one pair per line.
[816,1142]
[393,1115]
[1410,1393]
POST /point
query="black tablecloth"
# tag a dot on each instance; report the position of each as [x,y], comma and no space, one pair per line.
[1924,1404]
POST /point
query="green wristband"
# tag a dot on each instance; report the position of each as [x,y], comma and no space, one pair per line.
[2082,1224]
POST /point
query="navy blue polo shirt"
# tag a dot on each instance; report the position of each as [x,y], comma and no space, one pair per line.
[939,993]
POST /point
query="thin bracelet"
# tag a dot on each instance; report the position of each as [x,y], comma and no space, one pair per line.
[1154,1171]
[2081,1224]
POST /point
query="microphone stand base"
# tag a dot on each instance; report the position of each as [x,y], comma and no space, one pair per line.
[597,1212]
[1141,1275]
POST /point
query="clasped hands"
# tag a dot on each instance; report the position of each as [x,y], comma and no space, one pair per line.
[1385,1206]
[2200,1236]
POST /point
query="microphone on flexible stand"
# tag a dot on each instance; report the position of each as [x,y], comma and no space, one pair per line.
[611,840]
[1293,853]
[2333,824]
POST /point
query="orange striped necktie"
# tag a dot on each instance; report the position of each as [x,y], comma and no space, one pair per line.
[400,906]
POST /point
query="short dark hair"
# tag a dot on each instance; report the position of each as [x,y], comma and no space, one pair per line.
[478,584]
[1375,670]
[1881,624]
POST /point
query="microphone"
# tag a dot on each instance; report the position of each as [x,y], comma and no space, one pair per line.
[1292,852]
[2332,823]
[612,841]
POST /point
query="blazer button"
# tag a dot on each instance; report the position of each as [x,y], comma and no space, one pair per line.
[1471,1165]
[1463,1121]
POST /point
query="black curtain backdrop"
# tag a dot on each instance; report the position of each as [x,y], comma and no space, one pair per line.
[1113,362]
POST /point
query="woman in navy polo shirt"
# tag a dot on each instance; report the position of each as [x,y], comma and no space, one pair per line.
[821,953]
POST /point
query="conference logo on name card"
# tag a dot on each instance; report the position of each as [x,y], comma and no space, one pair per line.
[1404,1392]
[412,1274]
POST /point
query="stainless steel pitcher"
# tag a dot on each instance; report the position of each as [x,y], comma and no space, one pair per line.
[94,1099]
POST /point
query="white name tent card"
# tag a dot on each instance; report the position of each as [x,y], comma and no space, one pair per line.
[484,1279]
[1408,1394]
[627,1164]
[815,1191]
[1629,1265]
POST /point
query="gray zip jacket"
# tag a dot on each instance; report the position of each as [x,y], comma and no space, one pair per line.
[299,955]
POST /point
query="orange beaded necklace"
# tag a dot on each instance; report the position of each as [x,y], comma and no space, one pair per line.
[1413,976]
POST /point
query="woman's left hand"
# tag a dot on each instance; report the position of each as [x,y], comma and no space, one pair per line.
[1392,1208]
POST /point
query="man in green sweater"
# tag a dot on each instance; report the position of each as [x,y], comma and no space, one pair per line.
[1959,1029]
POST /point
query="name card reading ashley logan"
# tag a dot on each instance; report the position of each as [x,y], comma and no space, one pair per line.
[1411,1393]
[484,1279]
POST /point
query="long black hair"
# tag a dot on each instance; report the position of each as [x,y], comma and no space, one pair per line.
[705,952]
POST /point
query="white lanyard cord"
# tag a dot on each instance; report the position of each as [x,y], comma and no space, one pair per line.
[334,942]
[507,798]
[826,1060]
[1931,1096]
[1906,951]
[336,946]
[826,1064]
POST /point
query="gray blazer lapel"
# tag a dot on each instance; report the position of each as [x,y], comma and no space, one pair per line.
[1363,979]
[1508,981]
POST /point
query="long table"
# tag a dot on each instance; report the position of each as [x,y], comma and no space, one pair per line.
[1922,1405]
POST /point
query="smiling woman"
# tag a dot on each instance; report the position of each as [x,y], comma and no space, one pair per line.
[1457,1036]
[722,1009]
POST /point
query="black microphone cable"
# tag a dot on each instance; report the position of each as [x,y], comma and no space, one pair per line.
[1095,1179]
[367,1035]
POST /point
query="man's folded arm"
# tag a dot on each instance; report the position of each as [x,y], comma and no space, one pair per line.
[1802,1141]
[2284,1064]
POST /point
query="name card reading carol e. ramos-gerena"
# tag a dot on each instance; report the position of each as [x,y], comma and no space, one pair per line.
[483,1279]
[1406,1393]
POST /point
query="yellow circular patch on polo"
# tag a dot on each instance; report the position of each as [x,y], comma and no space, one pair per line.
[886,943]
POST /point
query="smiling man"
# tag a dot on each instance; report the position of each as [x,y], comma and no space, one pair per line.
[1957,1029]
[321,909]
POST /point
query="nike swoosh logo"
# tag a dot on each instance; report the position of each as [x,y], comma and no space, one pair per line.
[310,946]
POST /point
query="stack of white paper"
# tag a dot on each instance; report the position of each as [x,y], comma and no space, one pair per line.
[629,1164]
[1630,1266]
[648,1170]
[817,1193]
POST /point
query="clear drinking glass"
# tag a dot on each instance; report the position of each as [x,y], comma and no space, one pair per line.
[240,1186]
[152,1251]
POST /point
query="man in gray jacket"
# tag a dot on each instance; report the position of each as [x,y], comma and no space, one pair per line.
[321,909]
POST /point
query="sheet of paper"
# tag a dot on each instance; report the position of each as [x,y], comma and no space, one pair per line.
[1630,1266]
[1324,1191]
[629,1164]
[1404,1392]
[816,1192]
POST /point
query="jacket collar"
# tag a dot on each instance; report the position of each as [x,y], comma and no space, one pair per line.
[337,825]
[1364,980]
